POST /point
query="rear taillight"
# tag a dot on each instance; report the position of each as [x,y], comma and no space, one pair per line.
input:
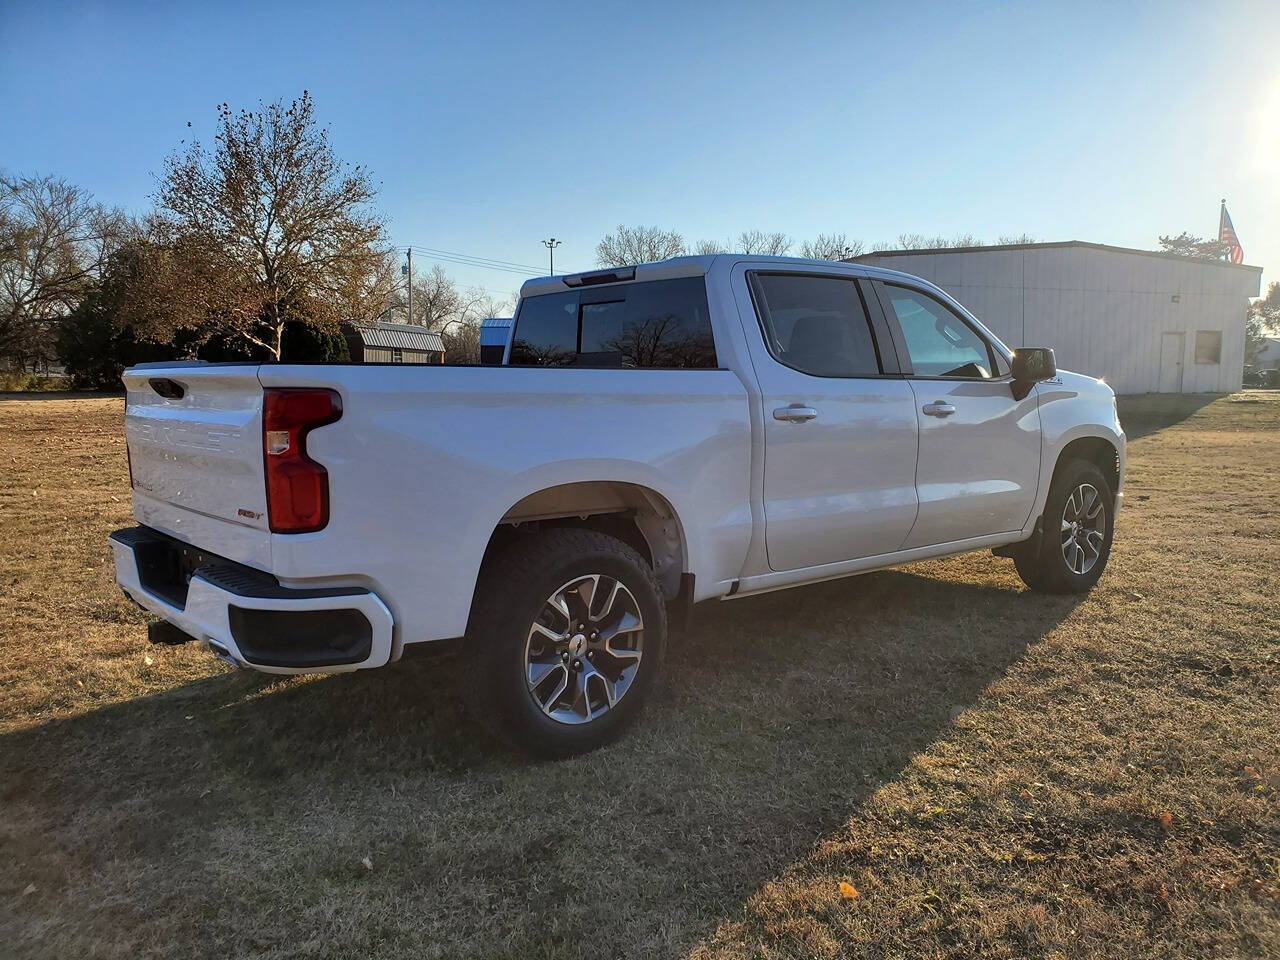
[297,486]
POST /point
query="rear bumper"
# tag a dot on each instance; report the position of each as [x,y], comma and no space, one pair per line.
[245,616]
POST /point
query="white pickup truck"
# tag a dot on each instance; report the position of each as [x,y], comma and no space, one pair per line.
[701,428]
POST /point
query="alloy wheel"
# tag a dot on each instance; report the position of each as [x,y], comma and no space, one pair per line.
[1084,527]
[584,648]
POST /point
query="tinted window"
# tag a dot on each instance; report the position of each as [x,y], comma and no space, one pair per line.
[939,343]
[662,323]
[817,325]
[602,331]
[546,331]
[668,325]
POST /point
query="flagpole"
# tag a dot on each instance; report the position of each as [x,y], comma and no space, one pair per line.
[1222,222]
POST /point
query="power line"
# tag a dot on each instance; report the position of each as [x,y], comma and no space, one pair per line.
[469,256]
[484,263]
[470,260]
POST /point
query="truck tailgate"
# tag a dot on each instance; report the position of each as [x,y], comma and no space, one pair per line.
[195,451]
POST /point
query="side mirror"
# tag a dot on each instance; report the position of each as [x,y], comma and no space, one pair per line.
[1033,364]
[1030,366]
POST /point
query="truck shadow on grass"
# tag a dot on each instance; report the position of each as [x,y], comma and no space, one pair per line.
[1146,413]
[233,814]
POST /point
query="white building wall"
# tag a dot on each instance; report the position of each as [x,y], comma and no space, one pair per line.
[1103,311]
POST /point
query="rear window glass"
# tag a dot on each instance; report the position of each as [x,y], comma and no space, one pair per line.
[662,324]
[546,331]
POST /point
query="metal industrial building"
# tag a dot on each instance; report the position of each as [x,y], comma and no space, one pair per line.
[1147,322]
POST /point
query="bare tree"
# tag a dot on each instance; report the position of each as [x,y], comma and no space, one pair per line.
[628,245]
[461,333]
[708,247]
[918,241]
[435,299]
[760,242]
[54,245]
[285,220]
[830,246]
[1015,239]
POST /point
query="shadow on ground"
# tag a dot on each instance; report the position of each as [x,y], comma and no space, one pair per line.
[1146,413]
[231,814]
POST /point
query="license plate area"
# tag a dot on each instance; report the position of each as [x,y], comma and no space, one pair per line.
[165,568]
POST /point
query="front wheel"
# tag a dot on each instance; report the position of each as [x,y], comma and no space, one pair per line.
[1077,532]
[567,637]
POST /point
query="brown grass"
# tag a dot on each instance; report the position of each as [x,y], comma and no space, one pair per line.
[990,769]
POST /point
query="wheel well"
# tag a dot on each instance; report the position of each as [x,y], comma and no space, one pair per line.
[636,515]
[1098,451]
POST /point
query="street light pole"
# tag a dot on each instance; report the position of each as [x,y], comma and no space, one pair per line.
[409,273]
[551,249]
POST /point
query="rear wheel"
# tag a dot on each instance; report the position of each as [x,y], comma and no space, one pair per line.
[1077,531]
[567,637]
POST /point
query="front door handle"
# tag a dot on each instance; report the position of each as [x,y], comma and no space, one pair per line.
[796,413]
[939,408]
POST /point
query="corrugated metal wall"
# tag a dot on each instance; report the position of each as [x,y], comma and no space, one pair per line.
[1102,311]
[383,355]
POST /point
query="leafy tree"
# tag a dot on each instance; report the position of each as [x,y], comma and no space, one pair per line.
[1262,321]
[629,245]
[307,343]
[280,222]
[1186,245]
[94,352]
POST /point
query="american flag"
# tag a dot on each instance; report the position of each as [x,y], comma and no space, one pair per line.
[1227,234]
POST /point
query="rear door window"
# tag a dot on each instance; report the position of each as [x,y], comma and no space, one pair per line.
[659,324]
[817,325]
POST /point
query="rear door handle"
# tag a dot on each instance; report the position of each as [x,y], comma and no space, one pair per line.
[796,413]
[939,408]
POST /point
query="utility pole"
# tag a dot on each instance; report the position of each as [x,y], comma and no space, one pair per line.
[409,273]
[551,248]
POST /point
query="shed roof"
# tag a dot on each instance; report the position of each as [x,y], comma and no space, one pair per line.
[1054,245]
[403,336]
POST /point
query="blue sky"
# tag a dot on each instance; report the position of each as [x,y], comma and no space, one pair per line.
[493,126]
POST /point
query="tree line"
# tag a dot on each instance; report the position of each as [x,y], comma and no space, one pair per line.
[643,244]
[263,246]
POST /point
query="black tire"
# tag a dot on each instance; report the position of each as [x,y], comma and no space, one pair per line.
[1045,567]
[513,592]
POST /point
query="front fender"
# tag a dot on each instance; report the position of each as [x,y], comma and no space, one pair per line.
[1074,407]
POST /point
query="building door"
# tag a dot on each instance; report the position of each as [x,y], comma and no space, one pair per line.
[1172,346]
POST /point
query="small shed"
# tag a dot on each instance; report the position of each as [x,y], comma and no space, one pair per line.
[494,334]
[394,343]
[1146,321]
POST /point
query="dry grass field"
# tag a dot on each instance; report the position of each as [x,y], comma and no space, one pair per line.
[989,772]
